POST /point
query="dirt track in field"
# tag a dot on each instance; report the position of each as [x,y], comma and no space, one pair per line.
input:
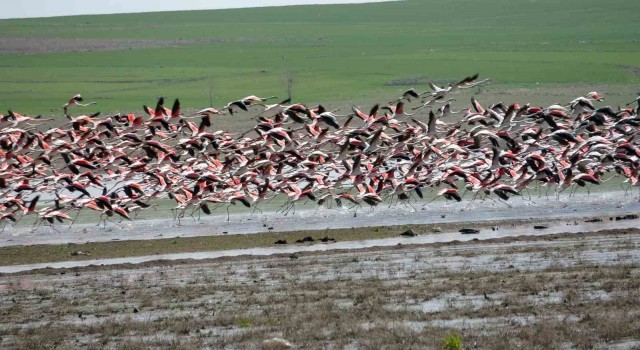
[50,45]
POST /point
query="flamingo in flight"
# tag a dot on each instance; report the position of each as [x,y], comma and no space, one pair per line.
[117,165]
[75,101]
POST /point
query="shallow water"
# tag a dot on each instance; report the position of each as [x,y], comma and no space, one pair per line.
[498,232]
[566,216]
[604,204]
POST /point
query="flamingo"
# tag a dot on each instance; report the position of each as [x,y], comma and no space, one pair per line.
[75,101]
[310,153]
[585,103]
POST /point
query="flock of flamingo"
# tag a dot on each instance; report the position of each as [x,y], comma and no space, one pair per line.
[118,165]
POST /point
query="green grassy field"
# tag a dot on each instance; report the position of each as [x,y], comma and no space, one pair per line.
[544,50]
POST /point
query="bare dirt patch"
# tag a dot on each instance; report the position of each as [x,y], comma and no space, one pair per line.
[633,70]
[49,45]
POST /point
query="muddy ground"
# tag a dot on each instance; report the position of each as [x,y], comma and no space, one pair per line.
[557,291]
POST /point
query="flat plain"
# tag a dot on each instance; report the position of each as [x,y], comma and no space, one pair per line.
[339,55]
[553,291]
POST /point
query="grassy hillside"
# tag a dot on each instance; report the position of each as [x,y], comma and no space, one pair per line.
[336,53]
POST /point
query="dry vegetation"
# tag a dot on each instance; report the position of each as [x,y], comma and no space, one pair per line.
[579,291]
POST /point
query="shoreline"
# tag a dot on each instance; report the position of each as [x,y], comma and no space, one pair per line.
[204,248]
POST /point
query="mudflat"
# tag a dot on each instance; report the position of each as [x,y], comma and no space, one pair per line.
[562,290]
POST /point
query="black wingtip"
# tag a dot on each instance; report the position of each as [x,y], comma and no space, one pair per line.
[175,110]
[288,100]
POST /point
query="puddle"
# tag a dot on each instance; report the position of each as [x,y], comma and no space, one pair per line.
[452,301]
[468,323]
[445,302]
[624,345]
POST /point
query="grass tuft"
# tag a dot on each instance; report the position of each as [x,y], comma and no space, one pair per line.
[244,322]
[452,341]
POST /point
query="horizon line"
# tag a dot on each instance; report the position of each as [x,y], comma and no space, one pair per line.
[223,7]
